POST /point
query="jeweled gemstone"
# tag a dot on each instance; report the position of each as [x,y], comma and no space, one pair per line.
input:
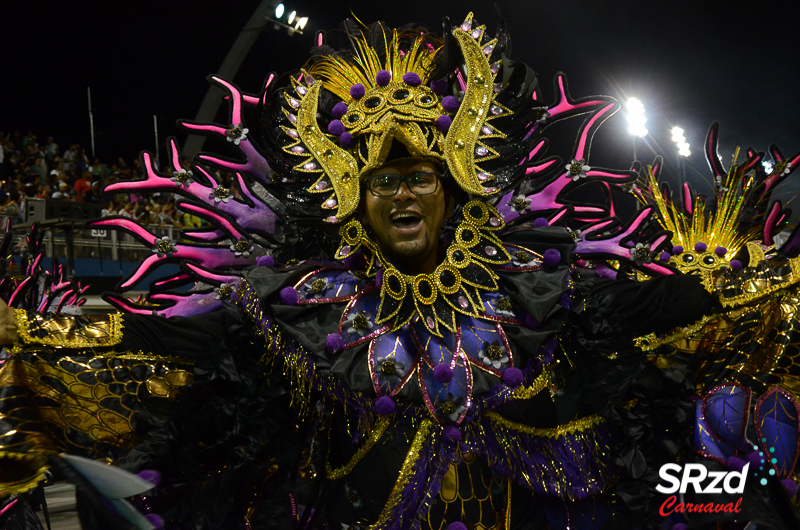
[361,321]
[498,87]
[708,260]
[425,100]
[330,203]
[310,166]
[488,49]
[466,26]
[458,256]
[298,149]
[447,278]
[319,285]
[504,304]
[495,67]
[463,302]
[481,151]
[490,250]
[294,103]
[400,95]
[301,90]
[345,250]
[483,176]
[292,118]
[494,109]
[372,103]
[292,133]
[476,33]
[486,129]
[519,204]
[425,289]
[321,185]
[494,352]
[388,367]
[495,222]
[448,408]
[429,321]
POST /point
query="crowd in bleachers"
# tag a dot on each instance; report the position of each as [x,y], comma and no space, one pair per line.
[41,170]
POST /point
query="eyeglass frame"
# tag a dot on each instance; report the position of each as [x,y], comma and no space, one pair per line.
[404,179]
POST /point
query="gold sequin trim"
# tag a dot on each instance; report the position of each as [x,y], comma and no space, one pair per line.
[407,472]
[581,425]
[374,436]
[651,342]
[61,331]
[541,382]
[147,357]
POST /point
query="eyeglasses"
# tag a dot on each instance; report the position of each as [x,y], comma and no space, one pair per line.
[420,183]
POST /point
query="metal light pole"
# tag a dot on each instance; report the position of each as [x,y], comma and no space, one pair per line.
[636,121]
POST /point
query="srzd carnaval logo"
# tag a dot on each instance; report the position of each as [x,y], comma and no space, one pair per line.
[731,482]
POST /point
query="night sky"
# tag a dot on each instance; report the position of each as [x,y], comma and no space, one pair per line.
[690,63]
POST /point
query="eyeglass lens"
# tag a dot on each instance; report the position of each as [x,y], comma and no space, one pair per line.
[422,183]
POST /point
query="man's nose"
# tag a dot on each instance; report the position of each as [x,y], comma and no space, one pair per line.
[404,193]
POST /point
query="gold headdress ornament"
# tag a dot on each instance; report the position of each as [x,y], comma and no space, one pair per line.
[706,240]
[387,101]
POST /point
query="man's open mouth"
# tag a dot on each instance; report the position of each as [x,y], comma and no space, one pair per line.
[405,219]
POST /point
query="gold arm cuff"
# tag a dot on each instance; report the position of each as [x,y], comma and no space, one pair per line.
[62,331]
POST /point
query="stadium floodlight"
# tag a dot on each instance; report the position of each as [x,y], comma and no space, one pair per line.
[301,23]
[680,141]
[279,9]
[636,119]
[291,17]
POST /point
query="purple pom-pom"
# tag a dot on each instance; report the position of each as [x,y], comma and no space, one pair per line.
[265,261]
[334,342]
[439,87]
[664,256]
[531,322]
[379,278]
[457,526]
[720,251]
[150,475]
[383,78]
[512,377]
[677,249]
[736,264]
[412,79]
[790,485]
[346,140]
[700,247]
[384,405]
[357,91]
[679,526]
[754,458]
[736,463]
[450,104]
[155,520]
[339,110]
[452,433]
[552,257]
[289,296]
[336,127]
[443,123]
[541,222]
[443,373]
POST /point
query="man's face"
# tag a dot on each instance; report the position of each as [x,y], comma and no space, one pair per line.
[406,226]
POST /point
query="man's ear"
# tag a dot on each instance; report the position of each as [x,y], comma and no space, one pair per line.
[449,205]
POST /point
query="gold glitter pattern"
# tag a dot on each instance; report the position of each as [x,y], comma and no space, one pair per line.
[578,426]
[474,112]
[81,404]
[339,165]
[374,435]
[85,331]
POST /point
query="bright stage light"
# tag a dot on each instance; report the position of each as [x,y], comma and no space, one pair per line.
[680,140]
[291,16]
[301,23]
[279,9]
[636,119]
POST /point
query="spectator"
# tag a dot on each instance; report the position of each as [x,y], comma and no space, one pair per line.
[50,150]
[110,209]
[9,207]
[44,192]
[63,192]
[83,185]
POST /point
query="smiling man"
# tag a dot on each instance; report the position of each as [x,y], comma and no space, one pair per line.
[404,205]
